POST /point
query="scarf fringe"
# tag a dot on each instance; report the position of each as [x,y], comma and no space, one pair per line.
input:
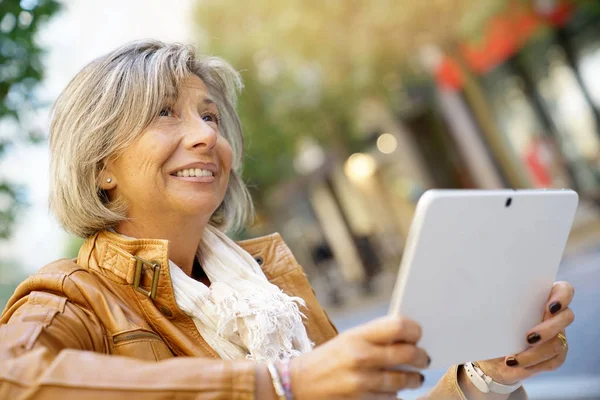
[262,318]
[242,314]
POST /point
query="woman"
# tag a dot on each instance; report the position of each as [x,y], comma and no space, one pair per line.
[146,148]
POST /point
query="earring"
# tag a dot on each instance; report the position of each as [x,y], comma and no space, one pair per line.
[108,180]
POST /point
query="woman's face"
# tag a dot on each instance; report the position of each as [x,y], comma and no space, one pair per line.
[180,165]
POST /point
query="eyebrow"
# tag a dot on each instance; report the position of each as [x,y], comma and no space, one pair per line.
[208,101]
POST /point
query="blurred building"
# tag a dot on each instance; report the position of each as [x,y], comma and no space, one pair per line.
[518,108]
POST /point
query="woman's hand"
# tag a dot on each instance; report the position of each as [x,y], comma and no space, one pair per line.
[547,351]
[358,363]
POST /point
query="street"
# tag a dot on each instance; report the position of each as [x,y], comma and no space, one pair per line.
[578,378]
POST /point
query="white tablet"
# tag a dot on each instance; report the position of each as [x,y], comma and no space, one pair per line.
[478,268]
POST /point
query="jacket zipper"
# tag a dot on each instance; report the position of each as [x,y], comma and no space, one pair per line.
[135,335]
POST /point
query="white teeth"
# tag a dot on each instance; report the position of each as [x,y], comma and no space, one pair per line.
[194,172]
[202,172]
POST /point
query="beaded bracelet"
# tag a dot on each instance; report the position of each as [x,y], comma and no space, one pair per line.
[283,367]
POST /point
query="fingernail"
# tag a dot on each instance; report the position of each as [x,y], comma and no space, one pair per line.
[533,338]
[428,361]
[555,307]
[422,378]
[512,362]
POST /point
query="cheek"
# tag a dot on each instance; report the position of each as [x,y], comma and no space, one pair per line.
[153,150]
[225,154]
[161,146]
[144,164]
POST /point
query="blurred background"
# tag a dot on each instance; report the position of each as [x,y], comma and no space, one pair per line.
[351,110]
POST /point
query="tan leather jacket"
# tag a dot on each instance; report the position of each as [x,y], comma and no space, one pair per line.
[92,329]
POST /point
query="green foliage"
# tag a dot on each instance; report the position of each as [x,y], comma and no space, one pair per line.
[72,247]
[306,68]
[309,66]
[20,56]
[266,145]
[10,276]
[20,72]
[9,205]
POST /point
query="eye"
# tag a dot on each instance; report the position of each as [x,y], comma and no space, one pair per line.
[165,112]
[211,117]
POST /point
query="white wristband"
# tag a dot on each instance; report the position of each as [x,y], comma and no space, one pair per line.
[485,384]
[279,390]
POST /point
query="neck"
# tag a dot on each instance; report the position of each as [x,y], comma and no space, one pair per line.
[184,236]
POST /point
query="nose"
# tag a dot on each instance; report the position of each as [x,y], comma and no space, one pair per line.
[199,134]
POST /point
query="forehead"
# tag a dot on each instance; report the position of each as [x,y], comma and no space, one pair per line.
[193,88]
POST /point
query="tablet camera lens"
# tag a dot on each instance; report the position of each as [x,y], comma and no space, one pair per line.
[508,202]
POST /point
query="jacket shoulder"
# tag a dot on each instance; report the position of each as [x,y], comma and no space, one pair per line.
[51,277]
[64,266]
[275,236]
[272,254]
[55,278]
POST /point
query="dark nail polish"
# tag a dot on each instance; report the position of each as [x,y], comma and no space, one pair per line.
[512,362]
[533,338]
[555,307]
[422,378]
[428,361]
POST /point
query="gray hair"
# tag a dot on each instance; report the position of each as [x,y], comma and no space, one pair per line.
[104,109]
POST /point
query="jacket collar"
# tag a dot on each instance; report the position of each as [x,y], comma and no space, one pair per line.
[143,263]
[116,258]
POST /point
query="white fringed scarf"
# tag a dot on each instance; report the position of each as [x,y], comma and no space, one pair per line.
[242,314]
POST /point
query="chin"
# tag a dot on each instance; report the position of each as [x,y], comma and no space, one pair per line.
[199,208]
[194,203]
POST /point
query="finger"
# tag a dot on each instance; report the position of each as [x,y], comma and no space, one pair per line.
[560,298]
[551,327]
[390,381]
[393,355]
[403,354]
[548,365]
[538,354]
[389,329]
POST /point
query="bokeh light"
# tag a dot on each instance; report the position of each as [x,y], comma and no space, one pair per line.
[387,143]
[360,166]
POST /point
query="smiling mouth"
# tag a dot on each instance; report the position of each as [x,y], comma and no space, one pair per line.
[193,172]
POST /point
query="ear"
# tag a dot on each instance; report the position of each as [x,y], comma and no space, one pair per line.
[107,180]
[108,183]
